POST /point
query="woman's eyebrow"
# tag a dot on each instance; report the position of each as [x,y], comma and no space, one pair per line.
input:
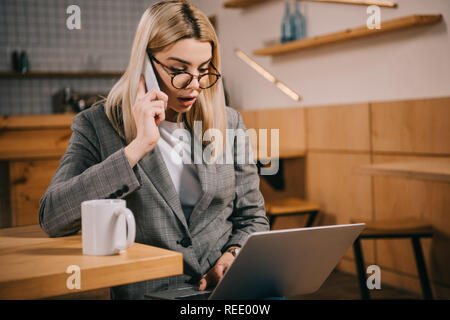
[187,62]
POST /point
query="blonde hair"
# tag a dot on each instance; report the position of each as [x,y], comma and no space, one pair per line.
[162,24]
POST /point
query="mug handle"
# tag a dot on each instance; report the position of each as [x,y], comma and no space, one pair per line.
[131,225]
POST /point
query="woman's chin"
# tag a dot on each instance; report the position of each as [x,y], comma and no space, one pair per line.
[172,111]
[179,108]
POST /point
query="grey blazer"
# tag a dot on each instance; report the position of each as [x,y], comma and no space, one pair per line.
[95,167]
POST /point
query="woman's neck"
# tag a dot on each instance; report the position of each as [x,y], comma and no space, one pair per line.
[171,115]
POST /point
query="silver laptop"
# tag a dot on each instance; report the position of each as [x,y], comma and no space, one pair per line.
[279,263]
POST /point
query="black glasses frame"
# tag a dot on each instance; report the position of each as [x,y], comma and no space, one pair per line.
[173,74]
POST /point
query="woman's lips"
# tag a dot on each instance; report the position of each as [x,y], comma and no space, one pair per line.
[186,102]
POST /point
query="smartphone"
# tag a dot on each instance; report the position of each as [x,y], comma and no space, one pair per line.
[149,75]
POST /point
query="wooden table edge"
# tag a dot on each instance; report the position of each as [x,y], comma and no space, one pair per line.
[408,174]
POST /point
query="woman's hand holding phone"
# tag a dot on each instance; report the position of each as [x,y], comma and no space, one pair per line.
[148,112]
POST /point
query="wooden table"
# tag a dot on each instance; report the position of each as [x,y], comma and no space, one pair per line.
[434,169]
[33,266]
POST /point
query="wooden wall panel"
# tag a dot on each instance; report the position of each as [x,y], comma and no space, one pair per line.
[396,198]
[250,121]
[341,194]
[289,121]
[338,127]
[5,216]
[250,118]
[295,176]
[28,182]
[25,206]
[33,173]
[412,126]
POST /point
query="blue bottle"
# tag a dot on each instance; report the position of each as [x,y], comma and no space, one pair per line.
[286,28]
[298,24]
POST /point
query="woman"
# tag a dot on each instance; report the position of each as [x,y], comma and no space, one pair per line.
[122,149]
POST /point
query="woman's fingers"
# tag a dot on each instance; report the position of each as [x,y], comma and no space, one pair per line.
[203,284]
[208,280]
[162,96]
[155,109]
[151,95]
[155,95]
[212,277]
[160,112]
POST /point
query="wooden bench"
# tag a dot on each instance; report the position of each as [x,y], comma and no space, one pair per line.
[291,206]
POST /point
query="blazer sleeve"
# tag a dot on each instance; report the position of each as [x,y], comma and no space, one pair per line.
[81,176]
[249,214]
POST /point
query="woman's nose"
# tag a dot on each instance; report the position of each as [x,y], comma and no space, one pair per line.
[194,83]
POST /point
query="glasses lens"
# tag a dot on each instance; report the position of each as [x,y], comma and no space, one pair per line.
[182,80]
[208,80]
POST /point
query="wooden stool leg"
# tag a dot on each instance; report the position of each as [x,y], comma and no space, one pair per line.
[311,218]
[359,259]
[271,220]
[422,269]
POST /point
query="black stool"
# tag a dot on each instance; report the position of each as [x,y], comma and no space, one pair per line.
[291,206]
[414,229]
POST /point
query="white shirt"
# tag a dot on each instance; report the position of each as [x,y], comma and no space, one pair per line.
[181,169]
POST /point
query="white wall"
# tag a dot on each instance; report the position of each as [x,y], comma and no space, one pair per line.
[407,64]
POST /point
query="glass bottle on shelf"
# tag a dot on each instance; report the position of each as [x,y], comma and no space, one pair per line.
[16,61]
[286,28]
[298,23]
[68,108]
[24,64]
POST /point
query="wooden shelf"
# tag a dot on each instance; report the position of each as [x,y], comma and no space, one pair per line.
[380,3]
[61,74]
[349,34]
[241,3]
[46,121]
[247,3]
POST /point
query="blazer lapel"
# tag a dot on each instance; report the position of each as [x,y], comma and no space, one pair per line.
[207,176]
[156,170]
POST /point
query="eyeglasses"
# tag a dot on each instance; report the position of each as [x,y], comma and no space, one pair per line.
[181,79]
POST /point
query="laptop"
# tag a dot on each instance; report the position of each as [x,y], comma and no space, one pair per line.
[278,263]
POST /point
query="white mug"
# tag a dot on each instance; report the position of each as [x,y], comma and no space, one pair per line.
[104,225]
